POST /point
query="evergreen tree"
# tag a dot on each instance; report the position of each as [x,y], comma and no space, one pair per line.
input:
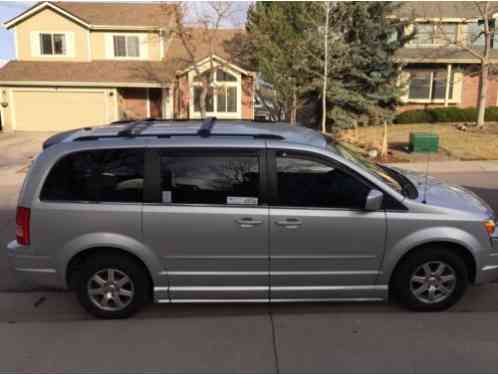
[354,59]
[371,80]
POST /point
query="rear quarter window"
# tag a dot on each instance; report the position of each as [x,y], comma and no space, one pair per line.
[97,176]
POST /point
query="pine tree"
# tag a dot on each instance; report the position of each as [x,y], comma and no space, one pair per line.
[370,84]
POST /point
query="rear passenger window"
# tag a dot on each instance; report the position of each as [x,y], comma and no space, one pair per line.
[210,179]
[97,176]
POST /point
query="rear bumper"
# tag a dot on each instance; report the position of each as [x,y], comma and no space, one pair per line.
[37,269]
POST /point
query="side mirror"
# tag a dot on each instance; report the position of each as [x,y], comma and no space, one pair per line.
[374,200]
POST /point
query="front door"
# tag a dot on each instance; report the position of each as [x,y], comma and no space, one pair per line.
[323,244]
[210,226]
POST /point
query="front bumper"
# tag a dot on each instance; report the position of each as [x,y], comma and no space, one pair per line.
[488,271]
[36,269]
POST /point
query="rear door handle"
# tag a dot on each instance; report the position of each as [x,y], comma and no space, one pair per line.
[289,223]
[248,222]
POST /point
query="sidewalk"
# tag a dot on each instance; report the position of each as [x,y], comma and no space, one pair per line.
[451,166]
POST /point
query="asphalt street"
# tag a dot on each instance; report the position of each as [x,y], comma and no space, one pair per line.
[47,331]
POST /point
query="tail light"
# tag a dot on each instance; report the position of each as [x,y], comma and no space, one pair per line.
[22,225]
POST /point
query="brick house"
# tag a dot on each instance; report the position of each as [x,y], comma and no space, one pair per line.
[439,70]
[80,64]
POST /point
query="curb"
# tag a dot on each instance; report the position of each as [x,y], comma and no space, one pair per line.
[450,166]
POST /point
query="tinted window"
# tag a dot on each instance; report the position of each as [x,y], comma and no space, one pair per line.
[308,183]
[210,179]
[103,175]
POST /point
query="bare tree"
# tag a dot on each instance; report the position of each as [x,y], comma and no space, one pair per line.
[484,16]
[204,23]
[324,49]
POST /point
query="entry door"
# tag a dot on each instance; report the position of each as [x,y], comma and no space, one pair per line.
[210,226]
[323,244]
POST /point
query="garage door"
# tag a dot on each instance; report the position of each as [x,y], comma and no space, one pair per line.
[58,110]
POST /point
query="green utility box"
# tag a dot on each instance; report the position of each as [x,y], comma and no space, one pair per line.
[424,142]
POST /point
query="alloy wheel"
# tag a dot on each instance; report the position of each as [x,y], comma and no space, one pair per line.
[110,289]
[433,282]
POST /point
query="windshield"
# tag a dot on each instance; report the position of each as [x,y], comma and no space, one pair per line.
[365,164]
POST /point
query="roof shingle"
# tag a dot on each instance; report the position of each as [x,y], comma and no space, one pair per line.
[100,71]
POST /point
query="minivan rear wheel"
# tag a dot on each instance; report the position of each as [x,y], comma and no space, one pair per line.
[112,287]
[432,279]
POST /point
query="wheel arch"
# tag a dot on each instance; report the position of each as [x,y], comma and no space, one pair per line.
[459,249]
[78,259]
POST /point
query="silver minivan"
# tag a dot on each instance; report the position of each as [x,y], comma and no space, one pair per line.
[240,211]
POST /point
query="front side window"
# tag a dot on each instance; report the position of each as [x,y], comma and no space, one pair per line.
[97,176]
[210,179]
[304,182]
[126,46]
[52,44]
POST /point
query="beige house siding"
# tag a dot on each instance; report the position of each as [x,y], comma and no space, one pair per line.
[49,21]
[56,109]
[99,44]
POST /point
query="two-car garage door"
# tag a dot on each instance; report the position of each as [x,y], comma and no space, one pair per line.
[59,109]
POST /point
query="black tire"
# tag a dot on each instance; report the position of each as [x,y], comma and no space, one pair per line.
[402,285]
[139,284]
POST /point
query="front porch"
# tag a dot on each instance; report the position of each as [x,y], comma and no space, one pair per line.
[144,102]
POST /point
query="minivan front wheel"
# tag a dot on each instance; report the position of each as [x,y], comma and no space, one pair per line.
[112,287]
[431,279]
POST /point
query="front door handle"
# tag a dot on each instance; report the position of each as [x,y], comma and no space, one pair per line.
[290,223]
[248,222]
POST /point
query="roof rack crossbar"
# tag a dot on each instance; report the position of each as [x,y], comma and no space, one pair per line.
[136,127]
[206,127]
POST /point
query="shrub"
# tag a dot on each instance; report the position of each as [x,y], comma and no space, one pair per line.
[446,114]
[413,117]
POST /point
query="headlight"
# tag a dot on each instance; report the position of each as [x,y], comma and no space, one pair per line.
[490,226]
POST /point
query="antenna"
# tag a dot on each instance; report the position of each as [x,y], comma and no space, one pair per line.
[424,200]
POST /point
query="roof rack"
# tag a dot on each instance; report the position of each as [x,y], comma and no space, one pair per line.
[206,127]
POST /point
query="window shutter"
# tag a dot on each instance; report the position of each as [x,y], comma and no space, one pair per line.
[35,44]
[457,86]
[144,46]
[404,79]
[69,44]
[109,46]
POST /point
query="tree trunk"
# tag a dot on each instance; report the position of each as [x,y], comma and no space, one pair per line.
[483,89]
[204,93]
[293,114]
[325,67]
[385,144]
[483,76]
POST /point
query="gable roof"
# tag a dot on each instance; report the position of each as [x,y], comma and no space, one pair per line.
[441,9]
[100,15]
[203,43]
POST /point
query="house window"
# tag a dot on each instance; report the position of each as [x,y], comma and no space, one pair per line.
[126,46]
[424,34]
[430,85]
[435,34]
[197,99]
[227,99]
[52,44]
[223,95]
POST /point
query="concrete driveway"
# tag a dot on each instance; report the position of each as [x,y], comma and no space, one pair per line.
[16,152]
[47,331]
